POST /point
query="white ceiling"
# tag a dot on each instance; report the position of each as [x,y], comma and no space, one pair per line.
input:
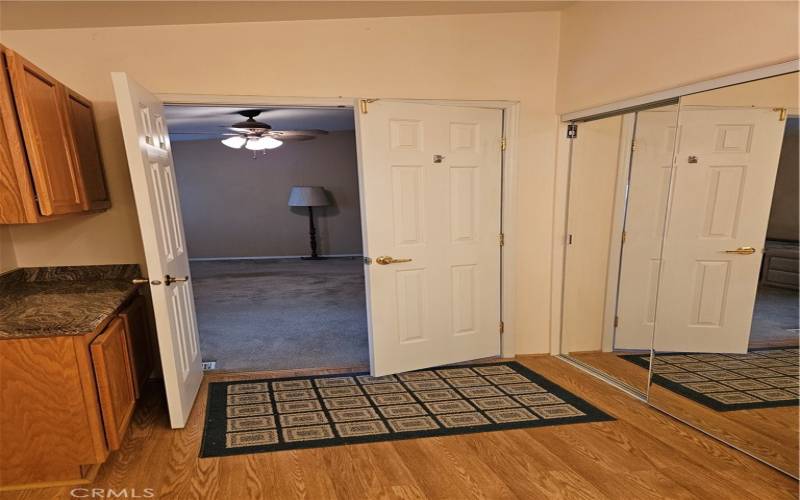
[209,122]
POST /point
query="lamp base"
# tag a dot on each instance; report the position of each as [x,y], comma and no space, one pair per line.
[313,258]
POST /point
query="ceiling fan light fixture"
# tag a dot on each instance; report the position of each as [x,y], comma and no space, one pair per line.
[235,142]
[263,143]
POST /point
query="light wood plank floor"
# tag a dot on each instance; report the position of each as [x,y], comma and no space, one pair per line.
[643,454]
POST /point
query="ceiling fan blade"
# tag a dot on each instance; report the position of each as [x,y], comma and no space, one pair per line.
[202,133]
[286,134]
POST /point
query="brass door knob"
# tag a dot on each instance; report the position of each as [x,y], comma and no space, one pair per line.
[742,251]
[385,260]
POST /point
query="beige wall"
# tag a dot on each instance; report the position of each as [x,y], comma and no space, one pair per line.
[493,56]
[236,206]
[616,50]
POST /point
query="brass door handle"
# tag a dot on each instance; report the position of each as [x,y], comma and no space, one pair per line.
[742,251]
[385,260]
[168,280]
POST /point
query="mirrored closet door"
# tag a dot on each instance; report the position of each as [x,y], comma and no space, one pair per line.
[726,330]
[681,261]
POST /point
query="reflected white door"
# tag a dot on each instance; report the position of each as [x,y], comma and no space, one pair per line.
[725,169]
[648,192]
[154,187]
[431,183]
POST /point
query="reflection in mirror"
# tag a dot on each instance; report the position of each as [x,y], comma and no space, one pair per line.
[619,186]
[726,333]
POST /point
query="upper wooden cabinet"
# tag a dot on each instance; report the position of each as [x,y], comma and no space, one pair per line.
[57,169]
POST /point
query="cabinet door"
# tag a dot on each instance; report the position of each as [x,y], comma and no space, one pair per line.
[137,329]
[17,201]
[84,137]
[40,101]
[114,381]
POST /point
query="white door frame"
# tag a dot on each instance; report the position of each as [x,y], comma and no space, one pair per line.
[564,154]
[510,160]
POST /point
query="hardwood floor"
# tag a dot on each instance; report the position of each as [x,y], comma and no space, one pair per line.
[643,454]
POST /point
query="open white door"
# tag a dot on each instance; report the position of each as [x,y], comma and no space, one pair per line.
[648,192]
[431,194]
[725,169]
[154,187]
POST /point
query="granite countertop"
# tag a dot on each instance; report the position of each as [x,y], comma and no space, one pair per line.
[58,301]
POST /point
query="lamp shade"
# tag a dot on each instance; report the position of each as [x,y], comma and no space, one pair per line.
[308,196]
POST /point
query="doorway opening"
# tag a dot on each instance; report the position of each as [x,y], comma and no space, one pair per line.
[273,234]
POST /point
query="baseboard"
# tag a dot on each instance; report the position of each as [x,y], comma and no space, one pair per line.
[272,257]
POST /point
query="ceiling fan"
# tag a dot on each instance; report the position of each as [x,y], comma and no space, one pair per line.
[257,136]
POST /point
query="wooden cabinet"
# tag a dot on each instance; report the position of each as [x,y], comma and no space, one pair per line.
[54,128]
[112,371]
[69,400]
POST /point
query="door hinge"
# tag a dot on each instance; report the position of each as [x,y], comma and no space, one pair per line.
[616,321]
[569,239]
[572,131]
[501,238]
[503,144]
[623,236]
[363,105]
[634,145]
[782,112]
[501,327]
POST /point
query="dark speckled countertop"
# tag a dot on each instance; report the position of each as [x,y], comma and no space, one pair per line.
[55,301]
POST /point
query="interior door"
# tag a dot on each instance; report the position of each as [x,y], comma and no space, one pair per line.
[645,214]
[155,190]
[725,169]
[431,193]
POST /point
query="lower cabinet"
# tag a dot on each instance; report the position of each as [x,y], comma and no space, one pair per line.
[67,401]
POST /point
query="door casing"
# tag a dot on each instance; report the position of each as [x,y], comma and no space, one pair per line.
[509,163]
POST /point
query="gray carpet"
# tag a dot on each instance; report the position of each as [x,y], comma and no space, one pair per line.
[281,314]
[774,317]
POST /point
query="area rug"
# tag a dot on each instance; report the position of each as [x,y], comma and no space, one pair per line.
[762,378]
[304,412]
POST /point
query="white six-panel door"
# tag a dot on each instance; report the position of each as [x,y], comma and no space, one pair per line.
[442,213]
[147,146]
[645,214]
[725,169]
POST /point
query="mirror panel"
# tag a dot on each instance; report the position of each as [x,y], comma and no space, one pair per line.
[725,355]
[620,176]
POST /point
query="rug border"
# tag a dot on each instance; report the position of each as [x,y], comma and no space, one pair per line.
[208,449]
[700,398]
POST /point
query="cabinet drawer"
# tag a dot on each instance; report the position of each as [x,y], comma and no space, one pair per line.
[114,381]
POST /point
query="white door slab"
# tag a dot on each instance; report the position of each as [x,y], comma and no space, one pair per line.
[441,212]
[648,193]
[147,145]
[725,169]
